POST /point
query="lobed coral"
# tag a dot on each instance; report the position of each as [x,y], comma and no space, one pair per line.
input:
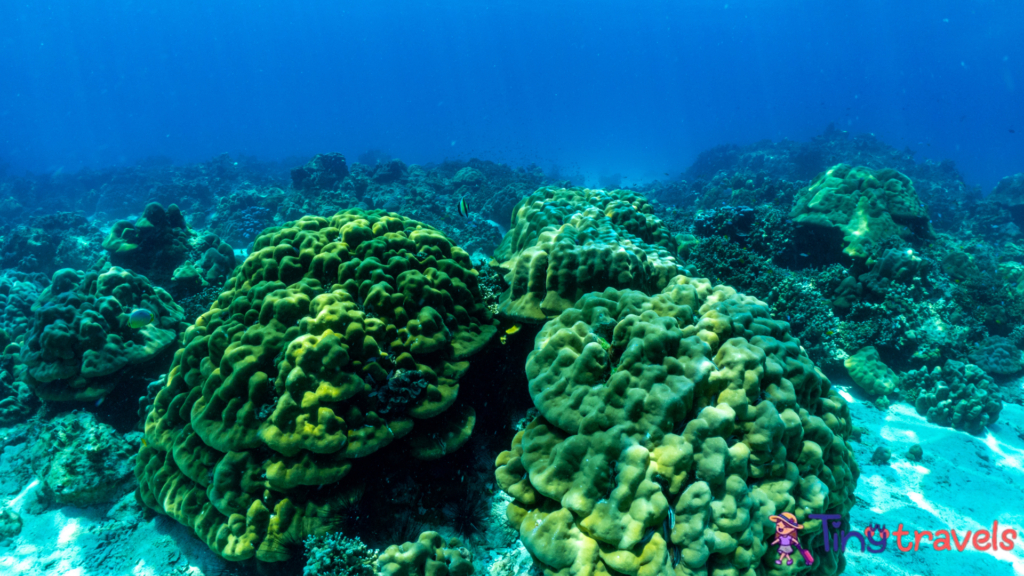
[956,395]
[429,555]
[565,242]
[867,206]
[672,427]
[79,344]
[154,245]
[210,263]
[870,374]
[279,387]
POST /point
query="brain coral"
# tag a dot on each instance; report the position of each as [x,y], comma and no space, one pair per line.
[565,242]
[867,206]
[79,342]
[672,427]
[275,391]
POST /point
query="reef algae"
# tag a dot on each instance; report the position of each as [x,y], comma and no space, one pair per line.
[279,387]
[565,242]
[672,427]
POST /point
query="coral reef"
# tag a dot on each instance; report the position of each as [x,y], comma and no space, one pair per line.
[997,356]
[333,554]
[567,242]
[82,462]
[273,391]
[79,344]
[18,291]
[50,242]
[866,206]
[957,395]
[1009,193]
[672,426]
[323,172]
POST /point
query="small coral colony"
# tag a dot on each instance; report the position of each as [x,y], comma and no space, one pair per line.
[293,368]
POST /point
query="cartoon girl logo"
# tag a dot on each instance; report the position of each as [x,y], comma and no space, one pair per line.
[786,537]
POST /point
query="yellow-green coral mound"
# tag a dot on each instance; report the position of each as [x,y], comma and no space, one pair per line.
[869,372]
[429,555]
[336,338]
[79,343]
[867,206]
[672,427]
[565,242]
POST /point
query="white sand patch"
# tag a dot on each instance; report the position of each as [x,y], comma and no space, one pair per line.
[963,483]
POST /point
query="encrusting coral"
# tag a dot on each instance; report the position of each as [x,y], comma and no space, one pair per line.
[280,385]
[79,340]
[672,427]
[565,242]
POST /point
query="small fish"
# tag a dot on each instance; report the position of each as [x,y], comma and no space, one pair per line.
[1012,131]
[100,401]
[140,317]
[144,443]
[513,329]
[829,332]
[463,208]
[503,338]
[804,255]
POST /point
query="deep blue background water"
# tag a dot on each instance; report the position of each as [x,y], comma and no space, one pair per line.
[594,86]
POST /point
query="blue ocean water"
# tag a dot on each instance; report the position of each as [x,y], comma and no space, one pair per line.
[591,87]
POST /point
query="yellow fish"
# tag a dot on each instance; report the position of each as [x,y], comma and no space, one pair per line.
[513,329]
[503,338]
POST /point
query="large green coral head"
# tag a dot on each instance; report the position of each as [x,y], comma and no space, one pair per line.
[336,339]
[671,428]
[565,242]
